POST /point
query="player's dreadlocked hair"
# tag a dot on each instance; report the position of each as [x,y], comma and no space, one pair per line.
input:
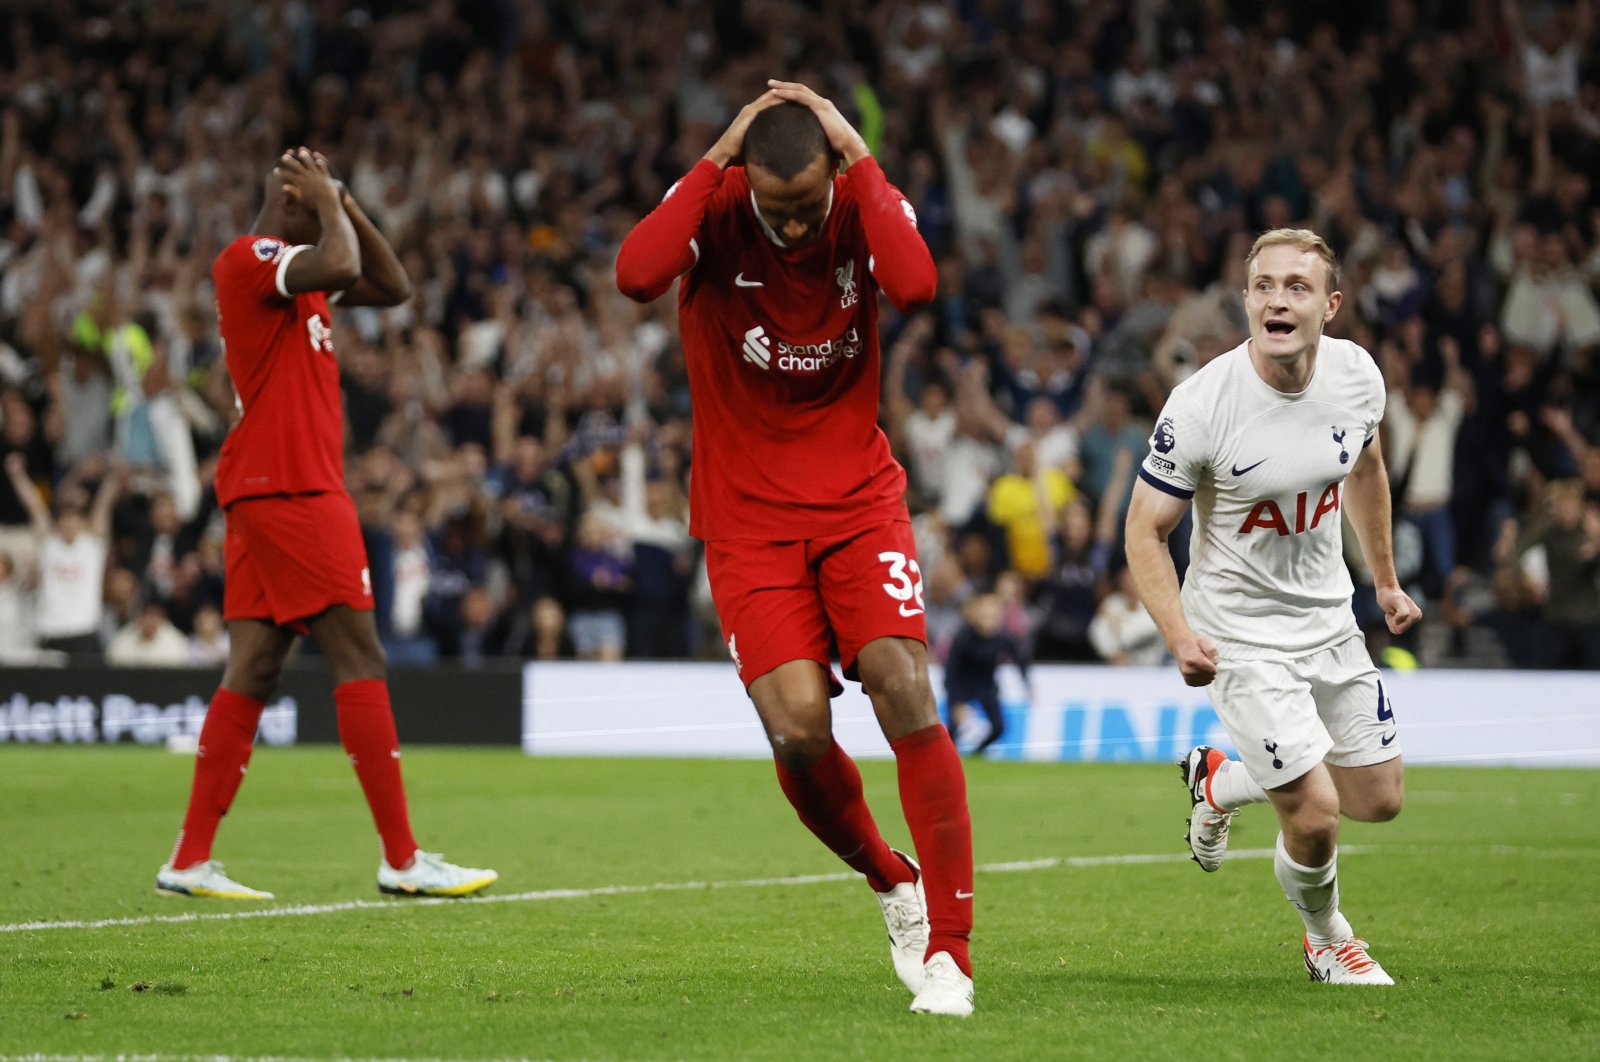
[784,139]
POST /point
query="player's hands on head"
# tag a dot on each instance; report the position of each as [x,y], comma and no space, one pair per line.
[842,136]
[306,179]
[1399,610]
[1197,659]
[729,148]
[345,199]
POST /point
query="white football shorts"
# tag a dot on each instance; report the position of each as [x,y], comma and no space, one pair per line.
[1285,716]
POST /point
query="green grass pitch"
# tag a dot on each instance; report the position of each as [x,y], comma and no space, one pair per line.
[1480,899]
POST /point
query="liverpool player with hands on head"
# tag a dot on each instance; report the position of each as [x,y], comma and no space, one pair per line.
[295,562]
[801,506]
[1271,442]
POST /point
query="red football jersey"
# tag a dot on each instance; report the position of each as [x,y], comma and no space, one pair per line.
[279,346]
[782,350]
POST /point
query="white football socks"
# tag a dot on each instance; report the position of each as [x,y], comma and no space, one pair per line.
[1231,787]
[1314,891]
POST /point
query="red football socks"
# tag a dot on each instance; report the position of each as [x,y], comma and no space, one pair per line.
[827,796]
[226,740]
[933,793]
[366,729]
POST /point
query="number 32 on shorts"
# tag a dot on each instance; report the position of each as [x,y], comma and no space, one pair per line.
[907,585]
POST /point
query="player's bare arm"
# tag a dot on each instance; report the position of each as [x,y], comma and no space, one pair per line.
[1152,517]
[383,280]
[1366,494]
[334,261]
[842,136]
[729,148]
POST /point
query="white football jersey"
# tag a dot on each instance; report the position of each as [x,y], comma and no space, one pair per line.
[1266,471]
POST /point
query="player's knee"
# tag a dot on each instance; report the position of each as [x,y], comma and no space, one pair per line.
[362,659]
[1384,807]
[907,692]
[1385,811]
[797,746]
[1315,825]
[255,677]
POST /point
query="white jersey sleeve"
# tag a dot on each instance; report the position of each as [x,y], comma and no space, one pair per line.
[1380,396]
[1181,448]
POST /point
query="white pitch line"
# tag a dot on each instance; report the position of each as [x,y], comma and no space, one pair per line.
[542,895]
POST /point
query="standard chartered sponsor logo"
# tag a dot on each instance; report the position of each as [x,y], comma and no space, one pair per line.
[799,357]
[758,348]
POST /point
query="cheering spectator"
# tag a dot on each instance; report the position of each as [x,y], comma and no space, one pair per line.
[20,438]
[1024,504]
[1422,423]
[406,637]
[72,557]
[208,645]
[1122,632]
[149,641]
[656,524]
[1570,540]
[601,576]
[18,642]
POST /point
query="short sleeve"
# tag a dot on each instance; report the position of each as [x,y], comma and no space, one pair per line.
[1180,449]
[255,266]
[1380,398]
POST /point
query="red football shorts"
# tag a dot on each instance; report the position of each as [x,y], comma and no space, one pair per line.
[783,601]
[288,559]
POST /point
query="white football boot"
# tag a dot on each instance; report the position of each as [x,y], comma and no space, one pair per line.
[205,880]
[905,915]
[430,875]
[1208,827]
[1344,963]
[945,989]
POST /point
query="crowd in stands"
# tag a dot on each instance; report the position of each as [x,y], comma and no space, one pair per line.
[1089,176]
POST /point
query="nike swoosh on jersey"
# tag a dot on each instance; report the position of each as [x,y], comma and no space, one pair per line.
[908,613]
[1237,471]
[1385,741]
[963,895]
[740,282]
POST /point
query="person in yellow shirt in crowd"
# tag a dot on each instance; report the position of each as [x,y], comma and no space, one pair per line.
[1027,503]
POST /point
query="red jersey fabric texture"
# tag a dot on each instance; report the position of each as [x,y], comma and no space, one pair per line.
[288,560]
[279,347]
[782,350]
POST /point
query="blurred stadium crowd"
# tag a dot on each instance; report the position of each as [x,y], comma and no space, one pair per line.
[1089,176]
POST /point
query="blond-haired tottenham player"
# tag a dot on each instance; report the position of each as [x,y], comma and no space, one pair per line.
[1272,442]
